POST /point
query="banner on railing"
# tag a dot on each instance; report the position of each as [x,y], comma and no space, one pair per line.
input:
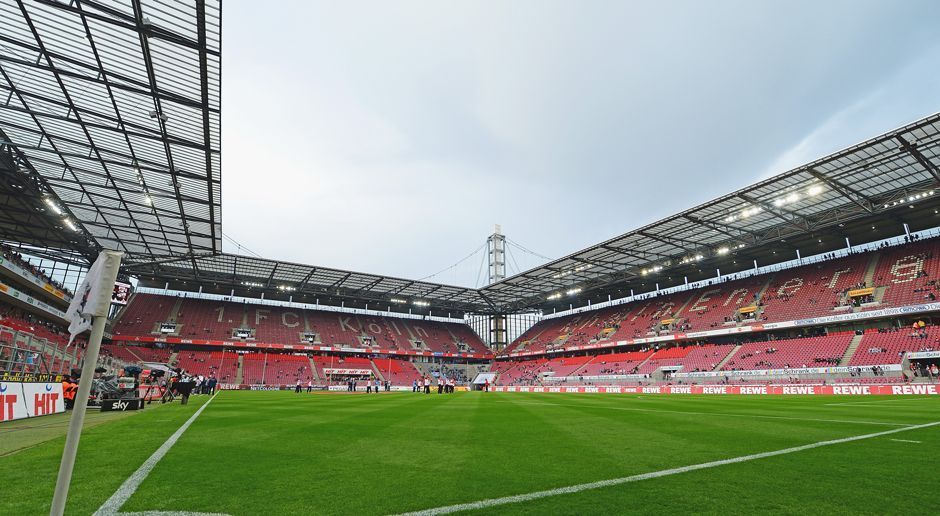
[9,376]
[295,347]
[31,278]
[920,355]
[785,372]
[350,372]
[7,290]
[824,390]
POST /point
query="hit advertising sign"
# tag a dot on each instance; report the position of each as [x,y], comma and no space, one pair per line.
[23,400]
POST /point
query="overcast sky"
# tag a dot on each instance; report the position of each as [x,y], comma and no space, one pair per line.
[389,136]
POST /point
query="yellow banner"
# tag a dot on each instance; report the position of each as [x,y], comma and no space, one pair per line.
[747,309]
[861,292]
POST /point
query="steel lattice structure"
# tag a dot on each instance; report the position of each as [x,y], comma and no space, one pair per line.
[114,108]
[863,182]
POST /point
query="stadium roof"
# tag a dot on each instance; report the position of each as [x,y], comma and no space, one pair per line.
[305,282]
[872,178]
[113,109]
[110,117]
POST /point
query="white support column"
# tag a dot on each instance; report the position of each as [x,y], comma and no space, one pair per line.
[496,254]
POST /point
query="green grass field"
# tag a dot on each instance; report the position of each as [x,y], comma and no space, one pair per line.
[280,453]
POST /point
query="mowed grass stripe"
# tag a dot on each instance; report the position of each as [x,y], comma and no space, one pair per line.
[281,453]
[392,453]
[108,454]
[848,478]
[567,403]
[493,502]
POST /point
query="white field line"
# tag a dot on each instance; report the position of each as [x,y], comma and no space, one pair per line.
[722,414]
[129,487]
[171,513]
[492,502]
[906,441]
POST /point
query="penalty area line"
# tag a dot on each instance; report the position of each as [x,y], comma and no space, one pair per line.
[492,502]
[129,487]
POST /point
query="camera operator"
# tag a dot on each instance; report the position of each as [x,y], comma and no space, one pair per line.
[184,386]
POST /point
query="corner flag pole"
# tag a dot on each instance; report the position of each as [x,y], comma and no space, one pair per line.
[93,299]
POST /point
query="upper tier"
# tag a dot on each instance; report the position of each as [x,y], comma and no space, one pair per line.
[898,276]
[218,320]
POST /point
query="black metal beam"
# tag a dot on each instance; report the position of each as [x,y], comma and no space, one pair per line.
[724,229]
[304,281]
[123,131]
[121,20]
[56,150]
[790,217]
[844,190]
[157,104]
[633,254]
[928,165]
[163,95]
[68,99]
[204,92]
[674,241]
[338,283]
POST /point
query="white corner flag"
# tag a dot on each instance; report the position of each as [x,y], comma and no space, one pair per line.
[93,298]
[89,309]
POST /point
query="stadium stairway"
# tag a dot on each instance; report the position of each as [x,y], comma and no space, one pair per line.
[850,351]
[239,374]
[313,366]
[681,310]
[375,369]
[244,323]
[727,358]
[173,358]
[453,338]
[175,311]
[645,360]
[763,290]
[576,371]
[870,271]
[135,355]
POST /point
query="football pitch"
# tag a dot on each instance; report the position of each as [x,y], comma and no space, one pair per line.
[250,453]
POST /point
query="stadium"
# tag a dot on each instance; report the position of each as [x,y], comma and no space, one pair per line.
[773,350]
